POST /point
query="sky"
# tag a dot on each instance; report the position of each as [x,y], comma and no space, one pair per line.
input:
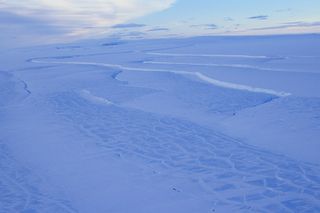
[45,21]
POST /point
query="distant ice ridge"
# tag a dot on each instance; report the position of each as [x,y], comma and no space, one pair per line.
[229,56]
[217,65]
[198,75]
[211,55]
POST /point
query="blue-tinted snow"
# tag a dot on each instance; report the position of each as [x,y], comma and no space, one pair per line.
[209,124]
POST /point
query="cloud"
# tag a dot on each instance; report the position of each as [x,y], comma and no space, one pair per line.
[228,19]
[11,21]
[20,31]
[290,25]
[128,35]
[205,26]
[284,10]
[303,24]
[261,17]
[211,26]
[131,25]
[74,18]
[159,29]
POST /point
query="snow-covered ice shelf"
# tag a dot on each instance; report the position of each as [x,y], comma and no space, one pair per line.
[206,124]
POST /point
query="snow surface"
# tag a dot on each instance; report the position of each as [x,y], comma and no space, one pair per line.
[206,124]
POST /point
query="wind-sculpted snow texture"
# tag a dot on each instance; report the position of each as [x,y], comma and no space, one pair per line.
[19,191]
[160,126]
[227,171]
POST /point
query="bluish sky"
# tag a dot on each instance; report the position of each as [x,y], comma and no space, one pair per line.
[61,20]
[238,17]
